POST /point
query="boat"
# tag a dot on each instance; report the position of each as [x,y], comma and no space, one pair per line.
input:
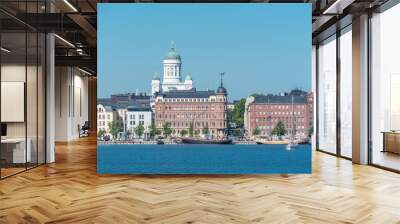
[291,145]
[205,141]
[160,142]
[177,141]
[270,142]
[304,141]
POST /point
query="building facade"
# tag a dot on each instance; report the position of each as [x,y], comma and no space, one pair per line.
[120,119]
[201,110]
[294,109]
[136,117]
[172,75]
[105,115]
[128,99]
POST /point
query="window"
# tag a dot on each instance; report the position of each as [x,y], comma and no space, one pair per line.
[346,92]
[327,95]
[385,88]
[23,73]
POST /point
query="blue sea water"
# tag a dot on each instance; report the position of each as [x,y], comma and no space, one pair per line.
[202,159]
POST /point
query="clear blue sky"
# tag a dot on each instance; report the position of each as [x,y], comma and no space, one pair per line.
[262,48]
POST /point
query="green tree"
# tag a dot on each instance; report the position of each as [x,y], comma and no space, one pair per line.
[191,129]
[101,133]
[139,130]
[152,130]
[114,129]
[310,131]
[184,132]
[128,133]
[167,129]
[279,129]
[238,113]
[257,94]
[237,132]
[205,130]
[256,131]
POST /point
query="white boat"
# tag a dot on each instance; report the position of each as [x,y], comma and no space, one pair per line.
[291,145]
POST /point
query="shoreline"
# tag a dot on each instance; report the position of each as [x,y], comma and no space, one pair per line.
[174,143]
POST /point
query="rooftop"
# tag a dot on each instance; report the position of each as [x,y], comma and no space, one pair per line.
[276,99]
[104,101]
[193,93]
[139,109]
[130,104]
[108,108]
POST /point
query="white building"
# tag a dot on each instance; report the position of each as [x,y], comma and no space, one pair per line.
[172,78]
[105,115]
[138,116]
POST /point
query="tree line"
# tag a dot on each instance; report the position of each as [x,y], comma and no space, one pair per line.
[153,131]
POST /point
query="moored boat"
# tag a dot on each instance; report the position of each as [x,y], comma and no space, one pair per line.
[291,145]
[270,142]
[304,141]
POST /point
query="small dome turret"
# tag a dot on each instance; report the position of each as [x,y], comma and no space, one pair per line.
[221,89]
[156,76]
[188,77]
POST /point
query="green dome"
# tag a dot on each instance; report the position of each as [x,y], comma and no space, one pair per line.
[172,54]
[188,77]
[156,76]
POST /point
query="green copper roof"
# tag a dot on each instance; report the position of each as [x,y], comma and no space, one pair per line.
[188,77]
[156,76]
[172,54]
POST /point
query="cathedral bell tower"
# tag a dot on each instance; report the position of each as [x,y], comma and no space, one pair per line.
[172,67]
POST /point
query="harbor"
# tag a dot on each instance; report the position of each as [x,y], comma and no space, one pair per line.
[202,159]
[198,141]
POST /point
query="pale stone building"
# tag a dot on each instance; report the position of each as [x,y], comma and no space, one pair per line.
[105,115]
[136,117]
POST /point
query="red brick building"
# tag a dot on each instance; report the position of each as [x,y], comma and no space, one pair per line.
[293,109]
[181,108]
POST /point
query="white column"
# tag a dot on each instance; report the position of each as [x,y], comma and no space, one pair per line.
[175,71]
[50,98]
[360,90]
[314,90]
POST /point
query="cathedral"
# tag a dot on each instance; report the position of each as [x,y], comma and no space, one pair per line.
[172,78]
